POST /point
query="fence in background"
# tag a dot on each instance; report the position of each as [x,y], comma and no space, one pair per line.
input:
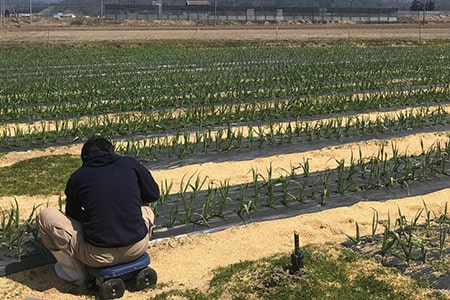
[150,12]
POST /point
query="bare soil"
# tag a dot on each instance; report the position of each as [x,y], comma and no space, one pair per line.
[82,30]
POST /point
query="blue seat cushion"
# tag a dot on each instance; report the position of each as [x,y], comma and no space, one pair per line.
[121,269]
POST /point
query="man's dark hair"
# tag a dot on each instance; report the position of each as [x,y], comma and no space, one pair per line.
[96,144]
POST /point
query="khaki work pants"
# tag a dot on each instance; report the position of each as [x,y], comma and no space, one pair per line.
[59,232]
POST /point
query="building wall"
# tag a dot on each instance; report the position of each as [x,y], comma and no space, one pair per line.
[150,12]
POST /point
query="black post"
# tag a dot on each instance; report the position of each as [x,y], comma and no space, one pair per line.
[297,256]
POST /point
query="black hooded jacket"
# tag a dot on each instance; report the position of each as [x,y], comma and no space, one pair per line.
[105,195]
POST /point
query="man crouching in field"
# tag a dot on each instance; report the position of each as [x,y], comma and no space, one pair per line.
[107,219]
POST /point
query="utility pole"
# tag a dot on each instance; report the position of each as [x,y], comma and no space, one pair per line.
[424,9]
[215,12]
[2,12]
[13,11]
[331,8]
[351,9]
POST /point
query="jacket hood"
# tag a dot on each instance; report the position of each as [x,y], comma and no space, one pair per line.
[99,158]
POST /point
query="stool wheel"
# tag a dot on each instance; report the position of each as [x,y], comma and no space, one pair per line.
[112,288]
[91,283]
[146,278]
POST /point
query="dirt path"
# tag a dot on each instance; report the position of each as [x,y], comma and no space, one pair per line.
[51,32]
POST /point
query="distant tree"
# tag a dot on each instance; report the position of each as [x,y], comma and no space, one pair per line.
[416,5]
[419,5]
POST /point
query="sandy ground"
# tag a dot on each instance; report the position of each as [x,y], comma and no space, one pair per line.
[188,262]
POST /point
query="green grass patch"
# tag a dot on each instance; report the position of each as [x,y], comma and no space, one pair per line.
[44,175]
[330,272]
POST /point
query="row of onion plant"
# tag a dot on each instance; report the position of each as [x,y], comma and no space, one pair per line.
[200,117]
[18,235]
[299,105]
[129,132]
[411,241]
[114,85]
[199,199]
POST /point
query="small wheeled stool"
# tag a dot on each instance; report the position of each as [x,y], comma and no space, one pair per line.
[110,280]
